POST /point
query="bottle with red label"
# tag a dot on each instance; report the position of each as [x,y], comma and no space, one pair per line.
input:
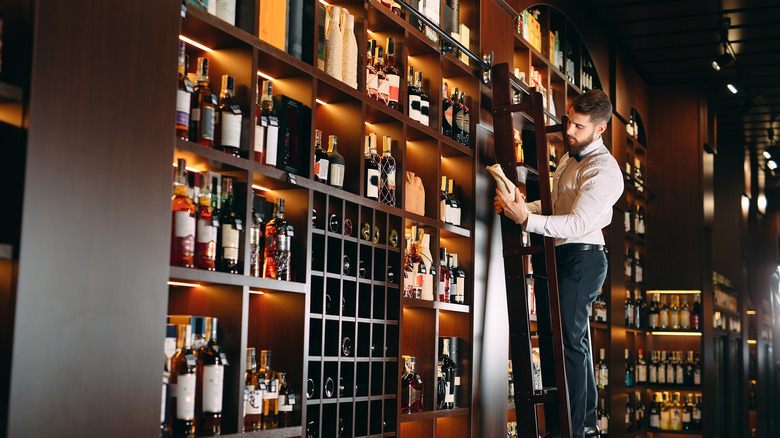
[393,75]
[183,224]
[444,277]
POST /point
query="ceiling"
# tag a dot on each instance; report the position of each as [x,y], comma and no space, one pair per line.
[675,42]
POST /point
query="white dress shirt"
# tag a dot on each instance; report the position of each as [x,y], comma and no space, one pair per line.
[583,194]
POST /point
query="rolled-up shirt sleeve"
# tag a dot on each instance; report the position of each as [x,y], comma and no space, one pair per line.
[534,207]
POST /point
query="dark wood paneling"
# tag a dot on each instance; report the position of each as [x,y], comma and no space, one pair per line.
[96,221]
[729,186]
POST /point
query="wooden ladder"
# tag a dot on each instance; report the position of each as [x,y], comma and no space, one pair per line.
[553,398]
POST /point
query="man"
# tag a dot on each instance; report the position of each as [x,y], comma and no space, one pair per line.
[586,185]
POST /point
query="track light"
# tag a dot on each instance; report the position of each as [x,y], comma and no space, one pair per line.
[722,60]
[767,155]
[733,86]
[771,164]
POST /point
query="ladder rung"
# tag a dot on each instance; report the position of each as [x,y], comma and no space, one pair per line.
[553,128]
[513,108]
[523,250]
[545,395]
[536,277]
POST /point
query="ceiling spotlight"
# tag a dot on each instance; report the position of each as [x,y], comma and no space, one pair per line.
[767,155]
[722,60]
[771,164]
[732,88]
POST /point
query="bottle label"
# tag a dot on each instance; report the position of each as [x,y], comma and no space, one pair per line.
[230,237]
[231,129]
[195,114]
[207,123]
[448,116]
[653,321]
[271,142]
[685,319]
[372,183]
[259,138]
[185,396]
[686,417]
[390,180]
[336,175]
[213,383]
[321,168]
[641,374]
[226,10]
[383,90]
[372,83]
[254,401]
[184,224]
[183,99]
[697,415]
[697,377]
[655,421]
[414,107]
[394,83]
[207,232]
[680,375]
[424,112]
[169,348]
[670,374]
[283,404]
[653,374]
[459,120]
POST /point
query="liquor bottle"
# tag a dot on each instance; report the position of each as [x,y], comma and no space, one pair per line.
[387,168]
[640,221]
[465,121]
[687,413]
[553,159]
[211,377]
[652,369]
[444,277]
[640,309]
[206,236]
[446,111]
[627,221]
[655,413]
[603,419]
[393,75]
[519,155]
[371,78]
[674,314]
[202,114]
[412,388]
[321,163]
[641,369]
[408,264]
[268,123]
[414,96]
[278,240]
[654,314]
[183,381]
[696,415]
[663,314]
[226,10]
[256,238]
[629,417]
[169,349]
[334,43]
[271,395]
[688,373]
[429,279]
[675,421]
[696,314]
[603,371]
[679,369]
[685,315]
[629,375]
[395,7]
[382,86]
[511,383]
[662,367]
[228,128]
[372,169]
[444,205]
[425,102]
[629,310]
[349,59]
[666,414]
[639,411]
[601,307]
[460,275]
[457,117]
[638,268]
[183,96]
[183,224]
[454,210]
[335,164]
[628,266]
[671,368]
[697,370]
[230,227]
[286,401]
[253,393]
[449,371]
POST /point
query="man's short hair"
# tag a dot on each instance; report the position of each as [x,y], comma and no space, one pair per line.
[594,103]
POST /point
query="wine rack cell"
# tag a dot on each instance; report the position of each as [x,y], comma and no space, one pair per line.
[315,336]
[418,161]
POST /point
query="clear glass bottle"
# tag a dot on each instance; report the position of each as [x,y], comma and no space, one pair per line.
[321,161]
[183,379]
[685,315]
[183,96]
[271,395]
[253,393]
[183,223]
[203,112]
[652,369]
[674,314]
[664,314]
[603,419]
[229,116]
[278,241]
[666,413]
[336,164]
[387,169]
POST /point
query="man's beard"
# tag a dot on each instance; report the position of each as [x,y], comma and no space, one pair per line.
[576,146]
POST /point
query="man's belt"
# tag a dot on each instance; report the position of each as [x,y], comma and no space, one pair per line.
[571,247]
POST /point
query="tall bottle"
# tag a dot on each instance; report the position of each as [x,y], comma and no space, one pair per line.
[371,78]
[687,413]
[444,277]
[183,97]
[460,274]
[444,205]
[696,314]
[206,236]
[664,314]
[336,164]
[425,101]
[457,117]
[230,227]
[229,119]
[652,369]
[640,309]
[256,240]
[446,385]
[454,210]
[674,314]
[278,241]
[654,314]
[393,74]
[334,43]
[373,175]
[685,315]
[253,393]
[387,168]
[183,381]
[349,66]
[211,377]
[641,369]
[629,375]
[629,415]
[629,309]
[603,419]
[465,120]
[413,94]
[411,387]
[696,415]
[269,127]
[321,161]
[429,279]
[271,395]
[655,413]
[203,112]
[183,223]
[382,86]
[603,371]
[446,111]
[286,401]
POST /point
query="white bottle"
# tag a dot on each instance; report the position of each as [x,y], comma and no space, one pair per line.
[225,10]
[334,43]
[350,52]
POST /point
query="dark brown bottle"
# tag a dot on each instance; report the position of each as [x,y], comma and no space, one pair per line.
[202,115]
[393,75]
[211,378]
[228,130]
[183,380]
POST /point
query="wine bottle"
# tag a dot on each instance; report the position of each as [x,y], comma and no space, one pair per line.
[457,117]
[444,277]
[448,370]
[321,162]
[455,206]
[278,239]
[654,316]
[267,139]
[230,227]
[202,114]
[211,377]
[286,401]
[460,274]
[387,168]
[444,205]
[335,163]
[446,111]
[382,86]
[425,102]
[393,74]
[413,96]
[183,96]
[629,310]
[229,115]
[372,168]
[334,43]
[350,51]
[465,121]
[183,381]
[371,78]
[183,224]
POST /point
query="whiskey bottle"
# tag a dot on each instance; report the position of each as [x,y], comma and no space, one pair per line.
[652,369]
[629,310]
[679,369]
[696,370]
[425,101]
[372,168]
[169,349]
[183,381]
[696,415]
[685,315]
[230,227]
[228,128]
[687,413]
[629,374]
[183,224]
[603,419]
[371,78]
[465,121]
[211,377]
[666,414]
[336,164]
[603,371]
[519,155]
[392,72]
[183,96]
[278,239]
[334,43]
[271,395]
[206,236]
[641,369]
[460,275]
[676,412]
[629,415]
[446,111]
[253,394]
[457,117]
[387,168]
[286,401]
[447,372]
[349,66]
[661,373]
[655,412]
[664,314]
[654,315]
[688,372]
[674,314]
[263,133]
[671,365]
[321,163]
[413,96]
[444,277]
[628,265]
[256,239]
[638,268]
[202,114]
[640,309]
[382,86]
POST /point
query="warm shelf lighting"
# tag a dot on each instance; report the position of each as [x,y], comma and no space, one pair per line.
[256,292]
[752,341]
[264,76]
[675,292]
[751,312]
[261,188]
[324,3]
[321,102]
[660,333]
[194,43]
[182,284]
[189,169]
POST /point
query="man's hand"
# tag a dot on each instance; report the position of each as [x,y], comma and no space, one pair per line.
[516,211]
